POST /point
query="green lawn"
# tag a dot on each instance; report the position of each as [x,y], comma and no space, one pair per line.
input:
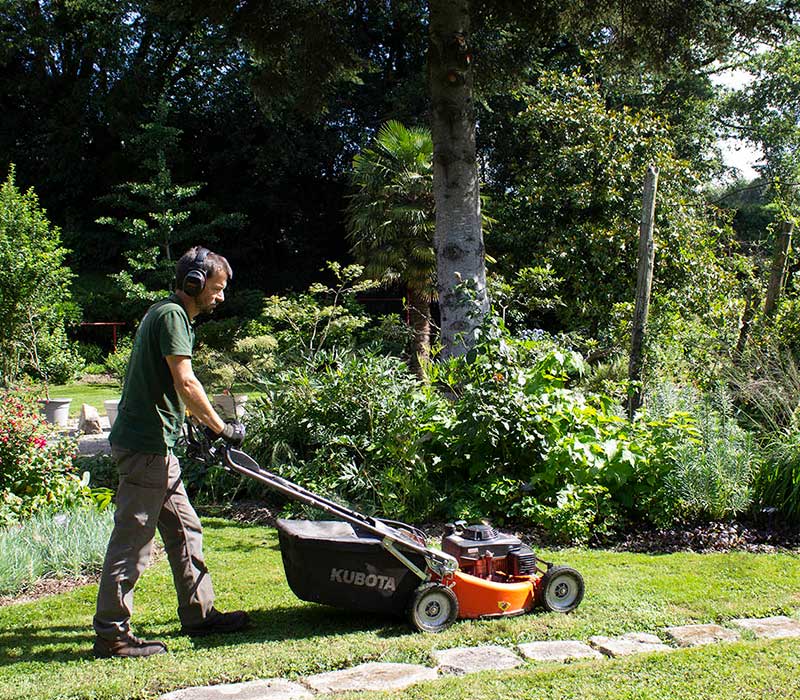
[45,645]
[95,394]
[80,393]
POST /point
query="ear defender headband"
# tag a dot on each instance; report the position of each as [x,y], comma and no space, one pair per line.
[195,280]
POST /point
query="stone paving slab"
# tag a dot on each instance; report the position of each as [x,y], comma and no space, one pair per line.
[778,627]
[371,676]
[565,650]
[628,644]
[462,660]
[698,635]
[270,689]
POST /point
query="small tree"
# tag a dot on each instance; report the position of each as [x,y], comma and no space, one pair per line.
[34,284]
[390,220]
[160,218]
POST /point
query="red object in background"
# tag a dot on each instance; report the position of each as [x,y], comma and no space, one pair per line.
[113,325]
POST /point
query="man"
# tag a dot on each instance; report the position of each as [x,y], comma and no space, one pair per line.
[159,386]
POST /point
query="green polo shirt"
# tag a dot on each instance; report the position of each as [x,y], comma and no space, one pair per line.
[151,413]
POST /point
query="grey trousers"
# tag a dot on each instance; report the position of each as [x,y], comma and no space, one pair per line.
[151,495]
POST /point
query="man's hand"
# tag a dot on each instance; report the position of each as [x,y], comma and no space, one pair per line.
[232,433]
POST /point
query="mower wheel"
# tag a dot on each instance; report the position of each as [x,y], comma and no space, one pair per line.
[561,589]
[433,608]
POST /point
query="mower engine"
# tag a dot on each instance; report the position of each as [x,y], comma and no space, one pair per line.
[486,553]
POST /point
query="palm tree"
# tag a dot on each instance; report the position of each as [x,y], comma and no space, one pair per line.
[390,220]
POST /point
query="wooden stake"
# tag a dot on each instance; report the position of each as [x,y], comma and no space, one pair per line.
[777,277]
[644,283]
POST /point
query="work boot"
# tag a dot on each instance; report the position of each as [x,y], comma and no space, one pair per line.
[218,623]
[127,646]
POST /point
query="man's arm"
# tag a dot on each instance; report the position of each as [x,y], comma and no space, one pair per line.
[192,392]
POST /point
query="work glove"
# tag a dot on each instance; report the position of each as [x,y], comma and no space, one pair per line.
[232,433]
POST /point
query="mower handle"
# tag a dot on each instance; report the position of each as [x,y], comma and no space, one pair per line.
[391,532]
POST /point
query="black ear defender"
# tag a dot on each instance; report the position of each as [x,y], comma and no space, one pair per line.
[195,279]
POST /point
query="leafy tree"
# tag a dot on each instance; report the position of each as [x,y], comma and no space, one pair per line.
[672,33]
[162,217]
[765,112]
[391,220]
[34,284]
[567,192]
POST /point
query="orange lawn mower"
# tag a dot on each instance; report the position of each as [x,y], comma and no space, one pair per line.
[363,563]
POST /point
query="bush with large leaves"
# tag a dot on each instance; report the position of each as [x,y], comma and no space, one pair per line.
[352,425]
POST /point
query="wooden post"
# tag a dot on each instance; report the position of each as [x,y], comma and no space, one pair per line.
[777,277]
[750,304]
[644,283]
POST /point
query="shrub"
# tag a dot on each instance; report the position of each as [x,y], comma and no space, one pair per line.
[58,360]
[117,361]
[90,353]
[321,319]
[714,469]
[352,424]
[523,442]
[101,468]
[34,294]
[777,484]
[36,469]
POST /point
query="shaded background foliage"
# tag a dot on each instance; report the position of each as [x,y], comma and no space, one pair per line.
[168,121]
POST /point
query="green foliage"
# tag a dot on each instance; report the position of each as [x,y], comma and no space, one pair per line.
[522,442]
[764,112]
[50,545]
[36,468]
[777,484]
[528,297]
[58,360]
[90,353]
[390,217]
[351,424]
[249,358]
[391,221]
[161,218]
[767,389]
[117,361]
[571,193]
[101,468]
[34,287]
[714,468]
[513,439]
[323,318]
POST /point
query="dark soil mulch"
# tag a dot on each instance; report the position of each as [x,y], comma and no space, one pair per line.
[713,537]
[748,536]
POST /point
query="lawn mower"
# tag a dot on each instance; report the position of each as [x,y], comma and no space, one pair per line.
[370,564]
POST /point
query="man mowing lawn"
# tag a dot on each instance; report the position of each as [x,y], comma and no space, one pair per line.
[159,386]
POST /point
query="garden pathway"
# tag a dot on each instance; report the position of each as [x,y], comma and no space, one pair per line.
[459,661]
[91,444]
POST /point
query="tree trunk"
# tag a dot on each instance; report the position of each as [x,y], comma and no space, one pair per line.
[459,238]
[419,316]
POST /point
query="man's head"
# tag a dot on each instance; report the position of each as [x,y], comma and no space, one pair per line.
[202,277]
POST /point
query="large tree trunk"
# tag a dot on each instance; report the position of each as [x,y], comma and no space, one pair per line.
[458,239]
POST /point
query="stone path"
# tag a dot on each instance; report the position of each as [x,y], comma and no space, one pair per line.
[91,444]
[463,660]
